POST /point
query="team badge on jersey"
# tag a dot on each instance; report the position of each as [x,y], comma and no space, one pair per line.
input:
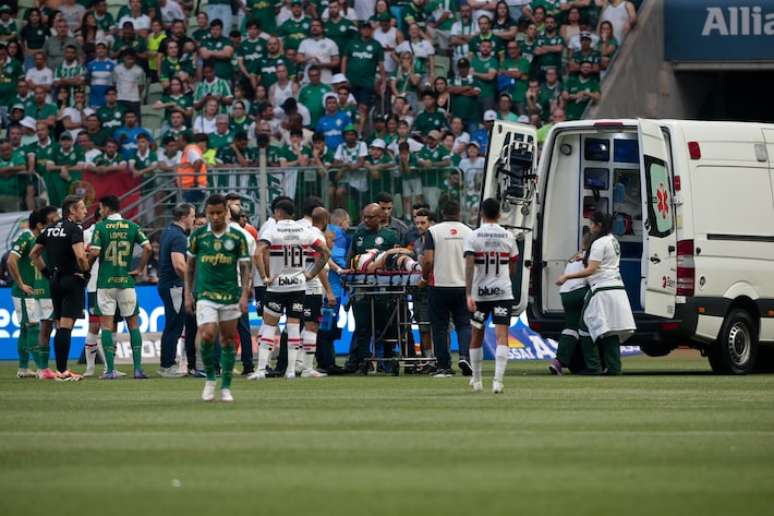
[379,240]
[229,245]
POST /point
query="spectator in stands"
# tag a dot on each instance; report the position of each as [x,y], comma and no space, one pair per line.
[296,27]
[363,64]
[217,51]
[222,136]
[205,123]
[608,45]
[465,91]
[481,135]
[485,34]
[550,96]
[349,159]
[73,117]
[70,74]
[238,153]
[430,119]
[621,14]
[111,161]
[130,83]
[550,46]
[11,165]
[33,35]
[141,23]
[420,46]
[63,169]
[128,40]
[40,75]
[472,168]
[505,108]
[111,115]
[283,88]
[581,90]
[515,68]
[586,53]
[212,88]
[485,65]
[55,45]
[462,31]
[99,76]
[503,26]
[127,135]
[461,137]
[40,109]
[333,121]
[192,170]
[434,158]
[175,100]
[311,94]
[73,13]
[572,26]
[169,158]
[98,135]
[380,165]
[170,11]
[105,20]
[318,50]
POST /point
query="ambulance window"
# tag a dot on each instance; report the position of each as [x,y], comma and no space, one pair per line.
[594,203]
[596,178]
[626,151]
[596,149]
[660,217]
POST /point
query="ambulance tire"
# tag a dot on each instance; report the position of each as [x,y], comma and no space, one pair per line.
[736,349]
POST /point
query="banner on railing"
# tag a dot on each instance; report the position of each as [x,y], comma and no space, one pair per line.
[94,186]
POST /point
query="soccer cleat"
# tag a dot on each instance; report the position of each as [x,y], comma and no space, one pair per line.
[197,373]
[46,374]
[477,386]
[112,375]
[68,376]
[443,373]
[208,394]
[290,375]
[497,387]
[25,373]
[257,375]
[312,373]
[170,372]
[555,367]
[140,375]
[464,366]
[89,371]
[225,395]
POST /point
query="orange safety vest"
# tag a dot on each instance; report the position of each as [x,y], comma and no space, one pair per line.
[186,175]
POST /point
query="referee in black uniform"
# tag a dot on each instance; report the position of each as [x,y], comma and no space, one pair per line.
[67,269]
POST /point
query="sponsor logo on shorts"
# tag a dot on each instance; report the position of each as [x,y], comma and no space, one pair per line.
[501,310]
[274,307]
[298,307]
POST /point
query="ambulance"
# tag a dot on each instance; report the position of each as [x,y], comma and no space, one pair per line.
[693,209]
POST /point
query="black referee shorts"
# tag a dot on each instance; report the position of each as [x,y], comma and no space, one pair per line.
[67,296]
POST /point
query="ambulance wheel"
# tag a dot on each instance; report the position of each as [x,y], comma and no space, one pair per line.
[736,349]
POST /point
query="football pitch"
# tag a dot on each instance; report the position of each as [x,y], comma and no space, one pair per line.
[667,438]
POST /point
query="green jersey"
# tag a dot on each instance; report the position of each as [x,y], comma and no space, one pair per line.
[9,185]
[267,69]
[8,28]
[364,240]
[172,67]
[252,51]
[217,87]
[575,85]
[364,57]
[528,49]
[311,96]
[39,112]
[58,187]
[183,101]
[553,59]
[227,156]
[217,274]
[434,177]
[294,31]
[69,71]
[547,95]
[552,7]
[111,117]
[465,106]
[21,248]
[592,57]
[382,180]
[141,162]
[218,140]
[342,32]
[223,67]
[265,11]
[10,72]
[114,238]
[139,45]
[427,121]
[518,87]
[105,22]
[497,43]
[482,65]
[287,152]
[43,154]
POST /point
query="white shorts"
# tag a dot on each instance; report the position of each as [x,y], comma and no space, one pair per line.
[125,298]
[32,311]
[211,312]
[412,187]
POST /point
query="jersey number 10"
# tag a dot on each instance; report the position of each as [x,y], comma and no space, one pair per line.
[294,256]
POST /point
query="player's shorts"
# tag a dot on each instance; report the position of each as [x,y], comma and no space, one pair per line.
[123,298]
[421,308]
[211,312]
[313,308]
[499,310]
[67,296]
[289,303]
[32,311]
[260,293]
[412,187]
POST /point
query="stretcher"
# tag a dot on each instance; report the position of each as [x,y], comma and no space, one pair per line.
[397,288]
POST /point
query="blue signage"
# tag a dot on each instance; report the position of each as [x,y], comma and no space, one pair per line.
[719,30]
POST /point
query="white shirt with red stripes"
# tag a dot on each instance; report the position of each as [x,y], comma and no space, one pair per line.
[289,243]
[494,248]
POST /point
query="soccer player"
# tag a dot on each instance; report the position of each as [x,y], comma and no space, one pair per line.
[92,334]
[490,260]
[27,288]
[284,246]
[68,275]
[113,241]
[213,253]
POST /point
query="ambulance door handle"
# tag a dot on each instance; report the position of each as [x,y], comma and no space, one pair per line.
[671,249]
[655,259]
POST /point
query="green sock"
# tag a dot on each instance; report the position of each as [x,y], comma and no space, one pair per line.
[227,357]
[110,353]
[135,339]
[33,336]
[208,357]
[44,350]
[22,348]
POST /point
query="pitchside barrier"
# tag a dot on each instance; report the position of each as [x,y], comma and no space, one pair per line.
[524,343]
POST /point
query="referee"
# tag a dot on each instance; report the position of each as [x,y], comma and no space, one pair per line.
[68,272]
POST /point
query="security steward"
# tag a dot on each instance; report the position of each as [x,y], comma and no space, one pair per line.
[371,235]
[68,272]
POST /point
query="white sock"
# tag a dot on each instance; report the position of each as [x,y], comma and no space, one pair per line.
[91,349]
[276,349]
[501,360]
[309,339]
[266,347]
[476,360]
[101,353]
[294,343]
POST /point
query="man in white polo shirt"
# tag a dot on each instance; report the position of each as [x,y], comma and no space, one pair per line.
[319,50]
[443,268]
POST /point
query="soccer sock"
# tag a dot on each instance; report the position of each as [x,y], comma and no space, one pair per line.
[62,348]
[101,352]
[501,360]
[22,348]
[208,357]
[227,358]
[135,339]
[33,336]
[91,349]
[476,360]
[309,339]
[266,345]
[294,344]
[110,352]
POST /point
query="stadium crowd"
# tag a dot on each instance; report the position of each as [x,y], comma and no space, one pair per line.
[379,95]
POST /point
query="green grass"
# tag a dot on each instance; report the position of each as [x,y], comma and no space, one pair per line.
[668,438]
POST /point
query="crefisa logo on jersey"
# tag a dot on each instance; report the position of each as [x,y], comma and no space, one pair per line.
[489,292]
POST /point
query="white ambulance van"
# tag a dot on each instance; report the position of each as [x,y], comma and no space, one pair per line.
[693,210]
